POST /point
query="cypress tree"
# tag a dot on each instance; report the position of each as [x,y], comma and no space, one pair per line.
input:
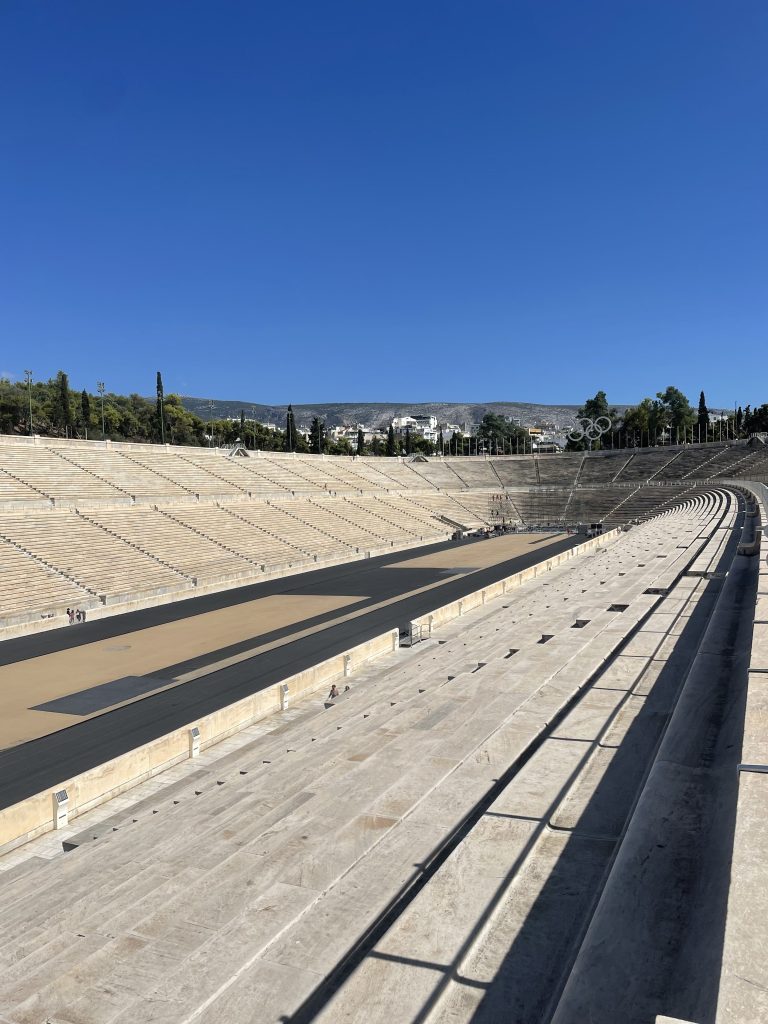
[360,441]
[391,441]
[63,408]
[739,420]
[703,417]
[242,425]
[85,408]
[290,430]
[407,440]
[440,442]
[160,411]
[317,436]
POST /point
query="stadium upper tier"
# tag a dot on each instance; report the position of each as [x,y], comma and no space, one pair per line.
[99,525]
[46,472]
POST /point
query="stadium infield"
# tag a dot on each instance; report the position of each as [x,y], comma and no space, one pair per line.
[77,697]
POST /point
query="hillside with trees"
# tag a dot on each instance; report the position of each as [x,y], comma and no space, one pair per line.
[51,408]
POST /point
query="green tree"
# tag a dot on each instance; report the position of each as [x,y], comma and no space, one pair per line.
[360,442]
[739,421]
[422,446]
[594,409]
[679,415]
[317,436]
[159,408]
[183,426]
[702,418]
[500,434]
[340,447]
[376,445]
[391,450]
[290,430]
[643,424]
[758,420]
[13,406]
[440,442]
[242,425]
[85,409]
[63,407]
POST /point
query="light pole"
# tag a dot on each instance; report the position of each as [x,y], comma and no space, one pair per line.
[100,389]
[28,379]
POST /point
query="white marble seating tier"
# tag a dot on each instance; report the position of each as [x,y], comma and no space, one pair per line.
[27,585]
[234,904]
[90,556]
[172,543]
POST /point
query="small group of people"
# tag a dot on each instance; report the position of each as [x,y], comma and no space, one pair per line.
[335,692]
[76,615]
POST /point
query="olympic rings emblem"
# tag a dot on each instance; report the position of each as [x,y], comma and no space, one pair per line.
[591,429]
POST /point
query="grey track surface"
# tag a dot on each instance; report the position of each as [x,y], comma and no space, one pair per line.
[105,695]
[41,763]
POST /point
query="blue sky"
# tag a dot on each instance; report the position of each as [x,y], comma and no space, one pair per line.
[370,201]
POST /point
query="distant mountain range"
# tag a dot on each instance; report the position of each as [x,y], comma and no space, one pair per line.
[376,414]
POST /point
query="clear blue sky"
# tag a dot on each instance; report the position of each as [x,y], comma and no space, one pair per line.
[386,201]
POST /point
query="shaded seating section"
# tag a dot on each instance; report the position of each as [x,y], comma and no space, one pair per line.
[233,884]
[558,471]
[593,504]
[644,465]
[690,462]
[481,505]
[644,502]
[600,468]
[748,466]
[744,979]
[516,472]
[541,507]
